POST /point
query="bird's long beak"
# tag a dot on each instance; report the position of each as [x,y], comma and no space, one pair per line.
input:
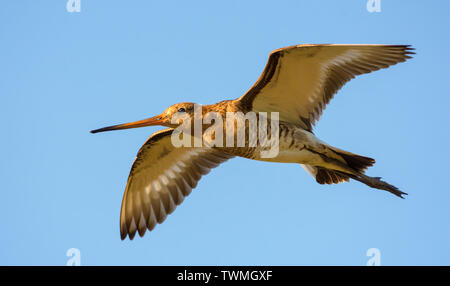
[157,120]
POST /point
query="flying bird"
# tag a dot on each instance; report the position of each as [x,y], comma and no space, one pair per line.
[297,82]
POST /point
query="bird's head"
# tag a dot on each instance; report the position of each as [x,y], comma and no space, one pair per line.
[171,117]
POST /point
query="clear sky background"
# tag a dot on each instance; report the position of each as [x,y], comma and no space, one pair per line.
[63,74]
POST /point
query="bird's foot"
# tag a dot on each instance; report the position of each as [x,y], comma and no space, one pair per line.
[377,183]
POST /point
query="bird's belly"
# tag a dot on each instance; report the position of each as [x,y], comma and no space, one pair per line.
[287,154]
[294,146]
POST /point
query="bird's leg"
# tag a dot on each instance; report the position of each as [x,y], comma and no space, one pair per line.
[377,183]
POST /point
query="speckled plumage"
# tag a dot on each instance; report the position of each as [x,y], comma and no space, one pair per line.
[297,83]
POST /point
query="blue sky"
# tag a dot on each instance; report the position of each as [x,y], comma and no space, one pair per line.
[63,74]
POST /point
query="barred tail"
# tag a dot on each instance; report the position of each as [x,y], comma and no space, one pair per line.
[357,162]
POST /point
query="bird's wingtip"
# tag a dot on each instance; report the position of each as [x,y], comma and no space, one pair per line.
[123,235]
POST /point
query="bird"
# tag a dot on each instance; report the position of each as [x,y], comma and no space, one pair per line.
[297,83]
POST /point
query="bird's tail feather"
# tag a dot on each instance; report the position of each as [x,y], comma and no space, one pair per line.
[327,176]
[356,162]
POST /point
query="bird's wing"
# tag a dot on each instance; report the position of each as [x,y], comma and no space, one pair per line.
[299,81]
[160,178]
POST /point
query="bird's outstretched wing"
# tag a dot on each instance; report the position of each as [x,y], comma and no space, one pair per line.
[160,178]
[299,81]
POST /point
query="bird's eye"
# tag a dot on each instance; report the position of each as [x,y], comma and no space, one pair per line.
[181,109]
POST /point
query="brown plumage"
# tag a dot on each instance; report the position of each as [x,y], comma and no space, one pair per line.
[297,82]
